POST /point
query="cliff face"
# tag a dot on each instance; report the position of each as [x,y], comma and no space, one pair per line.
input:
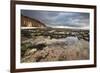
[30,22]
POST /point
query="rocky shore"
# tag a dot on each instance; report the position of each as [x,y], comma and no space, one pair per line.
[54,45]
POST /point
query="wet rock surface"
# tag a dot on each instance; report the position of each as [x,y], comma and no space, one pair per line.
[40,48]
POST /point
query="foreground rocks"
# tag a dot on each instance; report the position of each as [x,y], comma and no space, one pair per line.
[45,49]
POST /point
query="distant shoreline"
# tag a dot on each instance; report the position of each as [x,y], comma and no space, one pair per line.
[56,28]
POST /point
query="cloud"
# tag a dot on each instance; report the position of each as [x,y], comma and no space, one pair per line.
[58,18]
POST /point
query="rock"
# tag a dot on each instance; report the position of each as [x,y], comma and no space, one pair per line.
[73,53]
[84,44]
[44,48]
[28,52]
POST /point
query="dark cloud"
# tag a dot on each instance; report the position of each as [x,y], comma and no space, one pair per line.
[58,18]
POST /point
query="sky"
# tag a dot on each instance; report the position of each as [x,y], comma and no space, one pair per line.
[59,18]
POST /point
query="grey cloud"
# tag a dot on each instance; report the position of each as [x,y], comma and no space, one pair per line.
[58,18]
